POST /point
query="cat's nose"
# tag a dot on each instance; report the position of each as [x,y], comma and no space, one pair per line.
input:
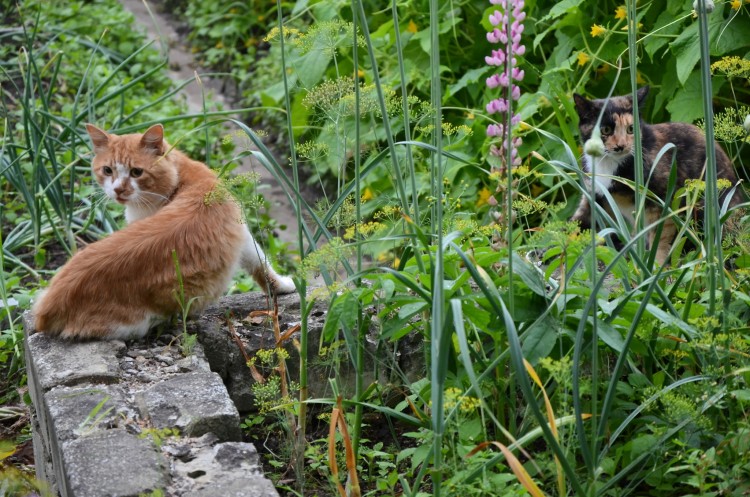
[119,190]
[619,148]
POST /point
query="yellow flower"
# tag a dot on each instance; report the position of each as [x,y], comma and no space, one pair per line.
[367,195]
[597,30]
[621,13]
[736,4]
[484,196]
[639,78]
[583,58]
[412,28]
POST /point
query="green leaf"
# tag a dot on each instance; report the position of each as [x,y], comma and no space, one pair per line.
[687,50]
[741,395]
[722,39]
[312,66]
[342,312]
[559,9]
[540,339]
[687,103]
[469,77]
[666,26]
[670,320]
[532,277]
[609,335]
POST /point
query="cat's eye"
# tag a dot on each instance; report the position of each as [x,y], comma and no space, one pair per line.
[606,130]
[136,172]
[630,129]
[107,170]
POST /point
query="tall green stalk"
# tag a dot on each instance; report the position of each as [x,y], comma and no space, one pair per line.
[437,351]
[638,158]
[360,329]
[299,449]
[711,223]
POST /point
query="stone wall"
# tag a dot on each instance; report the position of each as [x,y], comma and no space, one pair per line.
[129,419]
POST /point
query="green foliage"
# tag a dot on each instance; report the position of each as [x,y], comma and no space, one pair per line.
[158,435]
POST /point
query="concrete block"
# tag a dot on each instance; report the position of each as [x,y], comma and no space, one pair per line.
[227,469]
[81,411]
[57,362]
[195,403]
[113,464]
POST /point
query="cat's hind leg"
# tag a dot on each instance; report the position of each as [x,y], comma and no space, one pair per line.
[254,261]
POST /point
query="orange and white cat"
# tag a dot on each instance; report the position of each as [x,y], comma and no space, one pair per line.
[118,287]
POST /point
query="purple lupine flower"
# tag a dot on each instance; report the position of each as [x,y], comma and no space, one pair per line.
[508,21]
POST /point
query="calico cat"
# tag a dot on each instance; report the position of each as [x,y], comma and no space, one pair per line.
[616,128]
[118,287]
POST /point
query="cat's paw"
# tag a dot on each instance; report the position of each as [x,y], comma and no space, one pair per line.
[284,284]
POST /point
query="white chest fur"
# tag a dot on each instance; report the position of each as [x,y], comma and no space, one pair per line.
[606,167]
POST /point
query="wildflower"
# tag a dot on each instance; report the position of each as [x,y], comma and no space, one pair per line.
[583,58]
[507,31]
[412,27]
[621,13]
[597,30]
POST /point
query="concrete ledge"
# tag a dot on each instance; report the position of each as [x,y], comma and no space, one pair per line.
[126,419]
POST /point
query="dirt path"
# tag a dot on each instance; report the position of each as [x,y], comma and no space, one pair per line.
[182,67]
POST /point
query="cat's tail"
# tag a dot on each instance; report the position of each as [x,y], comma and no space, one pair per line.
[47,317]
[254,261]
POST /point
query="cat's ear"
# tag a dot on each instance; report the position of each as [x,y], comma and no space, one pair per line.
[583,105]
[153,139]
[99,138]
[642,93]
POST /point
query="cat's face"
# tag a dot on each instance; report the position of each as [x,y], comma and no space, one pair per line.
[617,124]
[133,170]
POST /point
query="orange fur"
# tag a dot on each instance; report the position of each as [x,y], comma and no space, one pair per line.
[119,286]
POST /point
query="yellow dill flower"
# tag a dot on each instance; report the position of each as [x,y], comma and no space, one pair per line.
[597,30]
[736,4]
[639,78]
[583,58]
[412,28]
[621,13]
[732,66]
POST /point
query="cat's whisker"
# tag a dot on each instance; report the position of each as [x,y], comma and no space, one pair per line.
[159,195]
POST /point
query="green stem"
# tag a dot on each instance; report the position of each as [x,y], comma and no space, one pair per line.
[437,374]
[360,329]
[299,443]
[638,159]
[711,229]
